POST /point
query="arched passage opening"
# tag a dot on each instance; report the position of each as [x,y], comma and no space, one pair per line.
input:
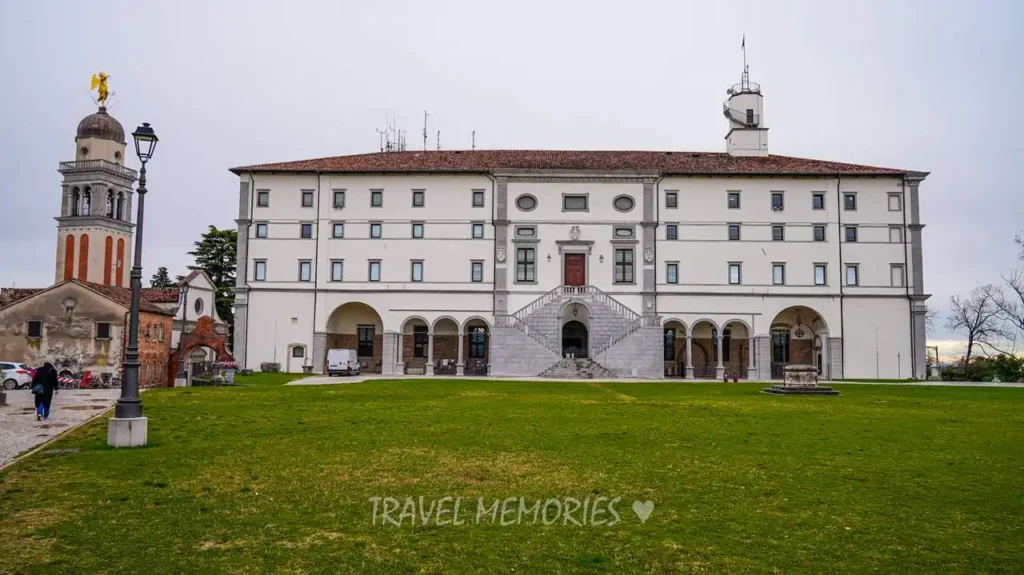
[704,345]
[675,348]
[736,349]
[476,346]
[415,345]
[575,331]
[799,335]
[446,346]
[357,326]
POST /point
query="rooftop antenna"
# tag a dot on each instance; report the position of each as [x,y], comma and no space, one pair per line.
[745,77]
[474,139]
[381,133]
[425,114]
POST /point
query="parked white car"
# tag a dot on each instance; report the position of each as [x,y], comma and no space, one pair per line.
[342,362]
[15,375]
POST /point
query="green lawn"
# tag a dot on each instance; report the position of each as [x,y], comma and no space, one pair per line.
[265,478]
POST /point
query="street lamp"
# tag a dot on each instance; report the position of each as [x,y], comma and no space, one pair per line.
[128,427]
[181,379]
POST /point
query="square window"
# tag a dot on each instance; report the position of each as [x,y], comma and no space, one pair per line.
[35,328]
[261,230]
[417,271]
[478,231]
[477,272]
[577,203]
[896,275]
[734,232]
[778,233]
[337,230]
[259,271]
[818,201]
[417,230]
[339,199]
[337,270]
[375,230]
[671,232]
[734,274]
[778,201]
[779,274]
[305,271]
[819,233]
[624,266]
[263,199]
[478,198]
[376,198]
[671,199]
[849,202]
[672,273]
[307,199]
[820,275]
[852,275]
[374,271]
[896,235]
[306,230]
[851,234]
[734,200]
[103,330]
[895,203]
[526,270]
[418,197]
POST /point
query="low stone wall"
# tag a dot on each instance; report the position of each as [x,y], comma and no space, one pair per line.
[641,355]
[516,354]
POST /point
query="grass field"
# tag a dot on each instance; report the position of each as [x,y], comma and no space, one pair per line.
[266,478]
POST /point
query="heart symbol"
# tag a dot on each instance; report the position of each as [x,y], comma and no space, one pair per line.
[643,509]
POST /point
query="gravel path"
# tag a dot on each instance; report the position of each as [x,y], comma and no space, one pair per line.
[19,430]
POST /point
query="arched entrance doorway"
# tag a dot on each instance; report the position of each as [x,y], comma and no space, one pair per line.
[477,352]
[674,348]
[357,326]
[574,340]
[799,335]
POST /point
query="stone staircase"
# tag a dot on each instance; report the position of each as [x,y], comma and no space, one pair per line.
[572,368]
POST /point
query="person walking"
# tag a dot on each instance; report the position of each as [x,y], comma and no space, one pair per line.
[44,385]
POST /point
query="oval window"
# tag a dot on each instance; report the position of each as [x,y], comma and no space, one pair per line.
[624,232]
[623,203]
[199,306]
[525,231]
[526,202]
[84,151]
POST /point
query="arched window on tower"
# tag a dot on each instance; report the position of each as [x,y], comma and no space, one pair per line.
[110,203]
[120,205]
[87,202]
[75,199]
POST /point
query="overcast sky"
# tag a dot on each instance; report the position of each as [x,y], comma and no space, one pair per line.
[922,85]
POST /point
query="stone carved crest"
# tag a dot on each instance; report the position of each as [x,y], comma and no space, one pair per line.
[574,233]
[648,254]
[500,254]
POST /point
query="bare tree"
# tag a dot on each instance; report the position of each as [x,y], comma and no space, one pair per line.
[980,317]
[1012,308]
[930,315]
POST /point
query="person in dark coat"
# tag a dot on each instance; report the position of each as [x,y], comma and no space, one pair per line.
[44,385]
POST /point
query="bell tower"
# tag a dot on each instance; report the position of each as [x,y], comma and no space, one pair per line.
[94,228]
[744,109]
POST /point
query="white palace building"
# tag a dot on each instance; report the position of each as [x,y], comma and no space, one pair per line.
[584,263]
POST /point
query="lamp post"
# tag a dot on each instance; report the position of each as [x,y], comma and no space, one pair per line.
[181,379]
[128,427]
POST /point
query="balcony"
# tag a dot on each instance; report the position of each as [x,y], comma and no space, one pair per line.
[98,166]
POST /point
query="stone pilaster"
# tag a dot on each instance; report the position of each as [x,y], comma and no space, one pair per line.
[764,357]
[920,368]
[649,252]
[501,248]
[751,353]
[835,357]
[430,354]
[390,349]
[719,365]
[460,367]
[689,357]
[319,351]
[238,347]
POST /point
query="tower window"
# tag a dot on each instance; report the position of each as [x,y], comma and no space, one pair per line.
[750,117]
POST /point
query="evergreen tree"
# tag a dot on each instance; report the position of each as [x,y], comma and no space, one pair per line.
[216,255]
[161,279]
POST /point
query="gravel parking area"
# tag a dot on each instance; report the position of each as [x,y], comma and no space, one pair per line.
[19,430]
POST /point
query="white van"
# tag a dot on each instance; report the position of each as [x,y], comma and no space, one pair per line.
[342,362]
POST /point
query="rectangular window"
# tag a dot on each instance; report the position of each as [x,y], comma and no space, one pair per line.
[365,337]
[306,230]
[852,275]
[734,200]
[337,270]
[671,199]
[305,270]
[263,199]
[417,230]
[35,329]
[778,233]
[307,199]
[896,275]
[261,230]
[750,117]
[477,271]
[574,203]
[819,233]
[851,234]
[103,330]
[337,230]
[672,273]
[734,232]
[671,232]
[669,344]
[478,231]
[478,198]
[375,230]
[418,198]
[778,201]
[624,266]
[818,201]
[417,271]
[526,270]
[420,341]
[779,274]
[339,199]
[735,275]
[376,198]
[259,271]
[849,202]
[896,235]
[820,275]
[478,342]
[895,203]
[374,274]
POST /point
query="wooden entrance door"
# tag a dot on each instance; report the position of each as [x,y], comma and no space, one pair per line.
[575,269]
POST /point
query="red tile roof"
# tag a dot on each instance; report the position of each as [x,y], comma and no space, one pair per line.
[11,295]
[160,295]
[485,161]
[119,295]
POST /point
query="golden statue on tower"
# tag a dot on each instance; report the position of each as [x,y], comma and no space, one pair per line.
[100,81]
